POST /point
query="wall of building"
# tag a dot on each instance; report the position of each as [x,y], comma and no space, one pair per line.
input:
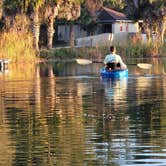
[133,27]
[95,40]
[63,32]
[104,39]
[118,27]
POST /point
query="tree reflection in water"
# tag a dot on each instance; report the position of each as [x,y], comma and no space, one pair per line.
[76,120]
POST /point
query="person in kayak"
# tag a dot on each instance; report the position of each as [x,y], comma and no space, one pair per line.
[113,61]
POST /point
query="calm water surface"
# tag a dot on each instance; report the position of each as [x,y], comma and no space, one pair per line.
[64,114]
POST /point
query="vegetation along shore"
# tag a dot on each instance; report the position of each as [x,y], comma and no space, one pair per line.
[31,31]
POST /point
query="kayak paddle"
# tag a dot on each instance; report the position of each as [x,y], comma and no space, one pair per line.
[87,61]
[83,61]
[144,65]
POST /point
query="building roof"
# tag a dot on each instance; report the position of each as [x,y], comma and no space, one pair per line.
[110,15]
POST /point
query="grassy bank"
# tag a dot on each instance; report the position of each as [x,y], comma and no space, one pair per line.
[130,50]
[18,47]
[72,53]
[139,50]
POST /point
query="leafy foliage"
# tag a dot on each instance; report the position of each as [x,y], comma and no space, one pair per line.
[153,13]
[86,21]
[118,5]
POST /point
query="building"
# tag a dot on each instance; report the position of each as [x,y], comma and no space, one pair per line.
[108,21]
[111,21]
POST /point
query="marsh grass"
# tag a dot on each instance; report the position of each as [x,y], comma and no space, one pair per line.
[140,49]
[16,46]
[16,42]
[59,54]
[129,50]
[73,53]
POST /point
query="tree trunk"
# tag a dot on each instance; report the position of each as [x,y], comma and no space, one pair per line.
[36,29]
[147,31]
[1,10]
[72,36]
[163,29]
[53,12]
[50,32]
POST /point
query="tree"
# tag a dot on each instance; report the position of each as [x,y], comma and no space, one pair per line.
[86,21]
[75,14]
[35,6]
[14,7]
[70,10]
[93,5]
[156,18]
[43,11]
[50,11]
[153,13]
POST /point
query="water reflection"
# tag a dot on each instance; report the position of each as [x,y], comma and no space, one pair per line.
[63,114]
[159,66]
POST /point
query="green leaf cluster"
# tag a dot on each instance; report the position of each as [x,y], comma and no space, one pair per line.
[86,21]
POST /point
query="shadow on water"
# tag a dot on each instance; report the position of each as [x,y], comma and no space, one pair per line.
[65,114]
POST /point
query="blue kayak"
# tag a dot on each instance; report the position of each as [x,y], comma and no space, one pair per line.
[114,73]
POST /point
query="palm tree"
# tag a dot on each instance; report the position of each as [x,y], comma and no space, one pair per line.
[69,9]
[51,11]
[75,13]
[43,10]
[35,6]
[153,13]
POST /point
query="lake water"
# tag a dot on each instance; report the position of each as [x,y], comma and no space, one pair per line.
[64,114]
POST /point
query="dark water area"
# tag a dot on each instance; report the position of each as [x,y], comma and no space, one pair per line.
[64,114]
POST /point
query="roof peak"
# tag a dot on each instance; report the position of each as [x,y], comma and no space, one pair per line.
[113,13]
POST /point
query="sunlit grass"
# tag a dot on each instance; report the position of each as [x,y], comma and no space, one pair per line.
[16,46]
[139,50]
[129,50]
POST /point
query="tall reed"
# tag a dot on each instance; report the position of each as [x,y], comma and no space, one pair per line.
[16,46]
[129,50]
[16,42]
[140,49]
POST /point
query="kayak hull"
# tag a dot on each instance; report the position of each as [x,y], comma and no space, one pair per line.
[122,73]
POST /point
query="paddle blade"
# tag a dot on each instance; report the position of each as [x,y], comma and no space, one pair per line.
[144,65]
[83,61]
